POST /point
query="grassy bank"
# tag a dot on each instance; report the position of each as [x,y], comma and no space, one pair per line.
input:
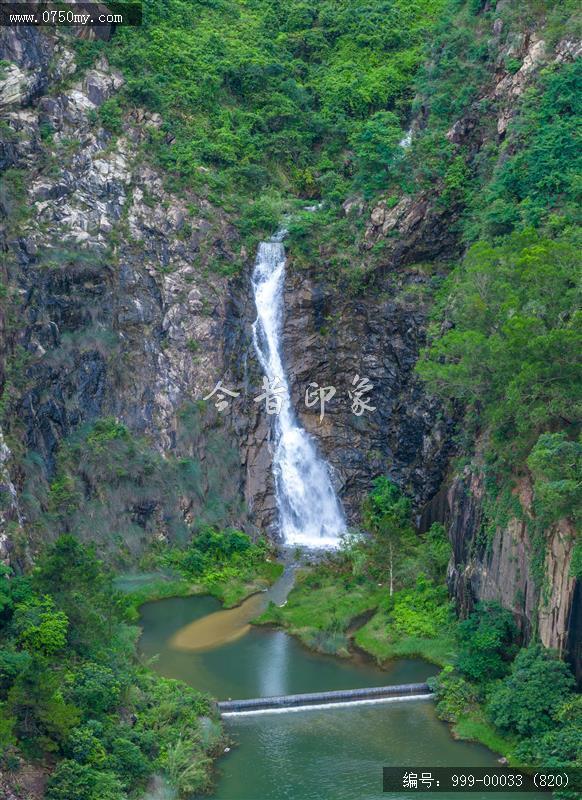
[232,588]
[319,611]
[379,638]
[473,726]
[143,588]
[326,610]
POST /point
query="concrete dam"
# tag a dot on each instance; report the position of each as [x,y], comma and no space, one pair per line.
[294,702]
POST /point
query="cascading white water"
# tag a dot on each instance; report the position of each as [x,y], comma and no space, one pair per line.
[309,511]
[5,481]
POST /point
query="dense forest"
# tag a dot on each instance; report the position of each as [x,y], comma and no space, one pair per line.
[439,142]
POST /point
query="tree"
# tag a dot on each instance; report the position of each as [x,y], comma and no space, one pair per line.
[511,353]
[7,723]
[70,567]
[82,587]
[387,515]
[95,688]
[527,701]
[556,465]
[435,552]
[39,627]
[562,745]
[377,149]
[85,747]
[12,664]
[486,643]
[43,716]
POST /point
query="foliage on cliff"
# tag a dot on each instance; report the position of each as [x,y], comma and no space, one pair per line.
[506,334]
[511,350]
[261,96]
[111,485]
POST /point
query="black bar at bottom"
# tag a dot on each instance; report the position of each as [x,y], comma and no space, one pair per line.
[479,779]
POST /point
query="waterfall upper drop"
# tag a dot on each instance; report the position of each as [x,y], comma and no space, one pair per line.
[309,511]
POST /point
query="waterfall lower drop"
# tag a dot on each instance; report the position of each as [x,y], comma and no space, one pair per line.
[309,511]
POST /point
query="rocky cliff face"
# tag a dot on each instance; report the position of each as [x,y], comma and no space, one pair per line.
[117,311]
[495,565]
[330,340]
[498,566]
[114,306]
[111,307]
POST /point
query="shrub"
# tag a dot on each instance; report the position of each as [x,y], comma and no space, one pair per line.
[110,115]
[527,701]
[377,149]
[95,688]
[455,696]
[73,780]
[422,611]
[39,627]
[486,643]
[556,465]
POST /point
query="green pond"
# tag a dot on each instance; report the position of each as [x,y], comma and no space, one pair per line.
[314,754]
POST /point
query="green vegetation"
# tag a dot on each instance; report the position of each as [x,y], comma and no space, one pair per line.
[154,586]
[503,349]
[459,703]
[511,352]
[112,486]
[225,564]
[73,692]
[517,702]
[555,463]
[300,100]
[393,576]
[287,88]
[486,643]
[531,715]
[526,702]
[506,332]
[537,184]
[528,178]
[417,623]
[262,105]
[323,604]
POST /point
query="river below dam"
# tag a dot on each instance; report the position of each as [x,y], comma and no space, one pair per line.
[314,754]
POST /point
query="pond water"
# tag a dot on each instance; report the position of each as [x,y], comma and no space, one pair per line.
[314,754]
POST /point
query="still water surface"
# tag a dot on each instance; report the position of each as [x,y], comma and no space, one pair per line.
[325,754]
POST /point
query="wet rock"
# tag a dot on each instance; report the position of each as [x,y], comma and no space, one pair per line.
[376,336]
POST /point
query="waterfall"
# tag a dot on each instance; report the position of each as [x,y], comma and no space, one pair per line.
[9,507]
[309,511]
[406,140]
[6,483]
